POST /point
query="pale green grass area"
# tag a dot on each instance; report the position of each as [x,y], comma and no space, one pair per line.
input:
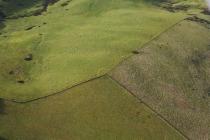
[172,75]
[77,44]
[97,110]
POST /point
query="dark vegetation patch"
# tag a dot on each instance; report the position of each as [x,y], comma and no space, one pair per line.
[208,92]
[1,138]
[204,22]
[11,72]
[198,58]
[171,8]
[2,17]
[11,7]
[65,3]
[206,11]
[47,3]
[2,25]
[2,108]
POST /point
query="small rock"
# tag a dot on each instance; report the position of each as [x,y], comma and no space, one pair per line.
[29,57]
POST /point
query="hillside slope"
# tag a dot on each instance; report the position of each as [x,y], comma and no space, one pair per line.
[74,41]
[171,75]
[97,110]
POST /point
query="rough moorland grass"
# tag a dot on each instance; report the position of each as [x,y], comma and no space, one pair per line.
[73,43]
[172,75]
[98,110]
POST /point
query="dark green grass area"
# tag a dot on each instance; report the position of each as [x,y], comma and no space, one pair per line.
[97,110]
[20,8]
[1,25]
[1,138]
[172,75]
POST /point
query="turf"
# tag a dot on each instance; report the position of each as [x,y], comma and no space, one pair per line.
[74,42]
[171,74]
[99,109]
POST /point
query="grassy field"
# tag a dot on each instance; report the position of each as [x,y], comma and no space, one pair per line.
[171,74]
[98,110]
[74,42]
[47,49]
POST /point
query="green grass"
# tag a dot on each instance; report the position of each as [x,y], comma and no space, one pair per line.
[77,40]
[171,74]
[99,109]
[77,44]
